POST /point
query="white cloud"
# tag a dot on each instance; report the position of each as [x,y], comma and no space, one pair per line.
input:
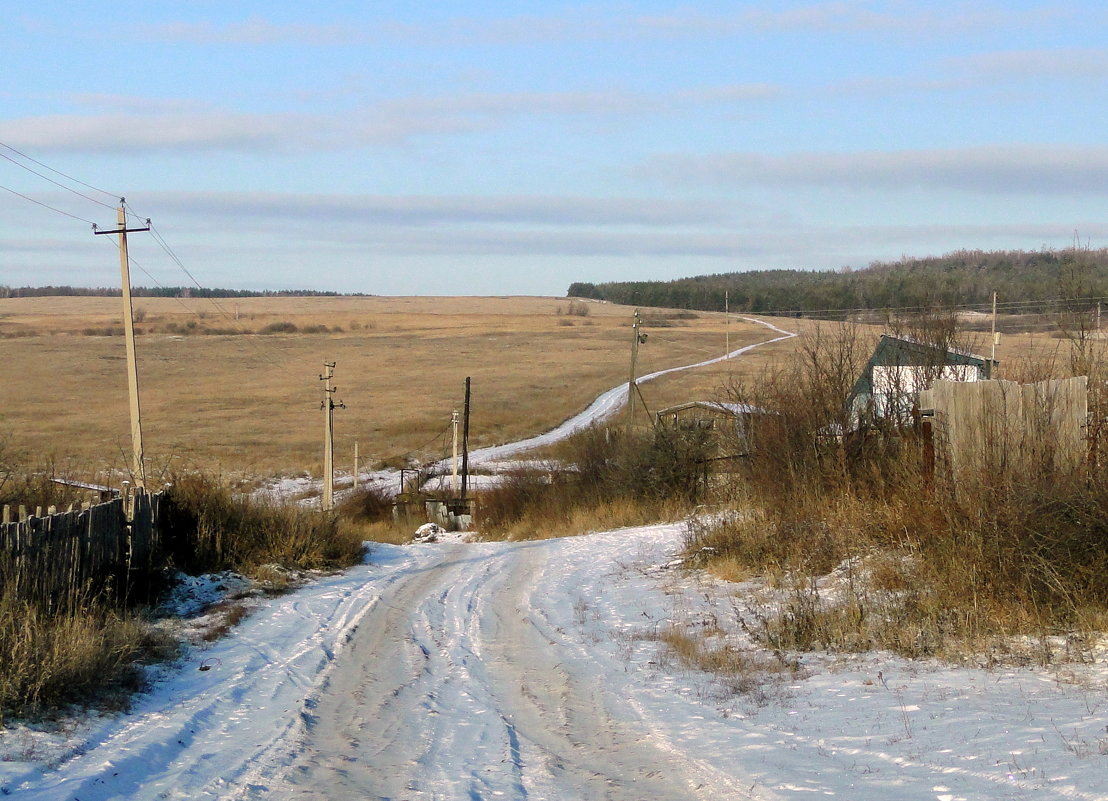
[252,31]
[1018,65]
[129,124]
[1000,169]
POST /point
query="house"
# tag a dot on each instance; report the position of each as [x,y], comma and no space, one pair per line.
[737,419]
[899,369]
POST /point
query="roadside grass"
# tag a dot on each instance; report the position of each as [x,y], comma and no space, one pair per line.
[869,550]
[88,652]
[86,646]
[366,515]
[207,528]
[745,671]
[613,477]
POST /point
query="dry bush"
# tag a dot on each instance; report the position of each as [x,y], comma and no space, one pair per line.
[86,653]
[617,477]
[368,503]
[207,528]
[951,565]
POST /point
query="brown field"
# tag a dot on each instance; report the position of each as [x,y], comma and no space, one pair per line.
[250,403]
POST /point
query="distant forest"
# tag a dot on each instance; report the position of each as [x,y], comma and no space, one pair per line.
[157,292]
[960,278]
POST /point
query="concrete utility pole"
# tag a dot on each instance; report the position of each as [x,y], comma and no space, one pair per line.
[138,467]
[328,406]
[637,339]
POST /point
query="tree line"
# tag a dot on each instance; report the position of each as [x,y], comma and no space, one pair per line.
[965,277]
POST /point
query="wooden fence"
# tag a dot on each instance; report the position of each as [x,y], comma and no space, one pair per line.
[990,427]
[51,559]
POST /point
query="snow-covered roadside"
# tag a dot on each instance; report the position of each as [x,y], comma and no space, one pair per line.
[872,726]
[866,727]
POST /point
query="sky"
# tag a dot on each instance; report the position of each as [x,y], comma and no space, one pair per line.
[463,148]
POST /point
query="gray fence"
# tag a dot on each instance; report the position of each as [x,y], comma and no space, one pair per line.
[53,558]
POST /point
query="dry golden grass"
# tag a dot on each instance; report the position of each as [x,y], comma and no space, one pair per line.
[250,403]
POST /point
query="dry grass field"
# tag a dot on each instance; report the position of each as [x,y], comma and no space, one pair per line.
[249,403]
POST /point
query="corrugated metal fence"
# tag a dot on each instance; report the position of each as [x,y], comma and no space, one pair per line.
[51,559]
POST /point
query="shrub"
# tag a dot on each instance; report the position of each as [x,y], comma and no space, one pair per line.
[207,528]
[933,564]
[283,327]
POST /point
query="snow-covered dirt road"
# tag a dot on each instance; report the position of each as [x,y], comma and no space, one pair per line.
[533,671]
[461,683]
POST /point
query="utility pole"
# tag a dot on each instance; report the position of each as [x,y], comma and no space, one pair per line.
[992,354]
[355,465]
[328,406]
[637,339]
[138,468]
[727,325]
[465,441]
[454,463]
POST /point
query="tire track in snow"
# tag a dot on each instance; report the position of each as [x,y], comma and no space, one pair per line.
[492,704]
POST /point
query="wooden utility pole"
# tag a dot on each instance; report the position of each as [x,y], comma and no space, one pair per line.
[992,354]
[465,442]
[328,406]
[727,325]
[637,339]
[138,467]
[454,463]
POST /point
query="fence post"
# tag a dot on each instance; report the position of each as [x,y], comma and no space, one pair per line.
[7,514]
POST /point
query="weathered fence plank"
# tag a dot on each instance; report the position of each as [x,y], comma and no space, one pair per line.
[51,559]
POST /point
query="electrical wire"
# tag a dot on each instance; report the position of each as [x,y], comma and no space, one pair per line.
[47,206]
[112,195]
[56,183]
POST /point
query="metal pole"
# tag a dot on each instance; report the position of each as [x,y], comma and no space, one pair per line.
[631,385]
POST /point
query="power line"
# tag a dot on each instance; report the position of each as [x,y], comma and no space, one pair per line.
[112,195]
[56,183]
[47,206]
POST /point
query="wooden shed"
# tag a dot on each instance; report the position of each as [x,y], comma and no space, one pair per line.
[735,422]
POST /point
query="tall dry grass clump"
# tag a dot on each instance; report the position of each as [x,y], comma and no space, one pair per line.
[207,527]
[874,544]
[607,477]
[84,652]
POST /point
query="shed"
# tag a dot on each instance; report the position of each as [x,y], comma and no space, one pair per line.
[733,418]
[899,369]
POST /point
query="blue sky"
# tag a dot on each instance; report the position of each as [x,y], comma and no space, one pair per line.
[512,148]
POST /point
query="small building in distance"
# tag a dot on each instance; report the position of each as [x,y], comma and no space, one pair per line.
[734,423]
[899,369]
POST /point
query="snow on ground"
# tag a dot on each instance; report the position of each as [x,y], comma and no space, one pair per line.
[532,670]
